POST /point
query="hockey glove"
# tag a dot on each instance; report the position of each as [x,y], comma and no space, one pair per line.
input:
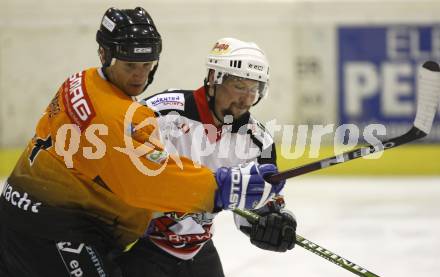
[243,186]
[274,231]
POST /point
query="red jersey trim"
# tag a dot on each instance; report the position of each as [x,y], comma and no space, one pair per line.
[77,102]
[205,114]
[186,250]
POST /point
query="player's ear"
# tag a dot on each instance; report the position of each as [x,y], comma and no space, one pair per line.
[101,53]
[210,77]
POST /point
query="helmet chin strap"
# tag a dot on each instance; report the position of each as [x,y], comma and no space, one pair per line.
[151,76]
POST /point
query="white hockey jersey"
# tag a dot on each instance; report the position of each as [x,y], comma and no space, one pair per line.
[187,129]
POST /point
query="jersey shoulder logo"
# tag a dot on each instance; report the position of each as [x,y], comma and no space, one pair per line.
[166,101]
[76,100]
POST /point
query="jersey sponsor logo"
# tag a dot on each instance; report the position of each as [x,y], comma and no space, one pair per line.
[19,200]
[67,247]
[74,269]
[175,225]
[184,232]
[158,157]
[108,23]
[77,102]
[96,261]
[166,102]
[189,239]
[77,261]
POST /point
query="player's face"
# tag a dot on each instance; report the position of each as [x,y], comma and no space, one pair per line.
[235,96]
[130,77]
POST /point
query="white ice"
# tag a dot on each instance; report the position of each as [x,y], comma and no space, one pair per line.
[390,226]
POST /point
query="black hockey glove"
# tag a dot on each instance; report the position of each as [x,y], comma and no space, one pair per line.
[274,231]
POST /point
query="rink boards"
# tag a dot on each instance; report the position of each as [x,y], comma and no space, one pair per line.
[405,160]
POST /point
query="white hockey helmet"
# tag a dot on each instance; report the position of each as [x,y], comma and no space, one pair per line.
[231,56]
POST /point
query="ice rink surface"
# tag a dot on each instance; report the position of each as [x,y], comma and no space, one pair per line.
[390,226]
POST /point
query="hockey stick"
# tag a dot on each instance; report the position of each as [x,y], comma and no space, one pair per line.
[318,250]
[428,94]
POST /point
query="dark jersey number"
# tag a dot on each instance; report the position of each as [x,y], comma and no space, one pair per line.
[40,144]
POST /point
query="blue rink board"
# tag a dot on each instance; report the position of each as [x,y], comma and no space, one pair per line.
[377,66]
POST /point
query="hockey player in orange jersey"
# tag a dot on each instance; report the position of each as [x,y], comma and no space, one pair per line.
[83,188]
[180,244]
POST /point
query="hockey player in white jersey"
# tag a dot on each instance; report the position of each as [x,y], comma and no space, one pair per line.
[212,125]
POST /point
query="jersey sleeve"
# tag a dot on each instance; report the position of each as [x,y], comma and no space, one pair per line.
[140,171]
[264,141]
[124,151]
[268,155]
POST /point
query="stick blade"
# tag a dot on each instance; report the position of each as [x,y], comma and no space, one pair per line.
[428,95]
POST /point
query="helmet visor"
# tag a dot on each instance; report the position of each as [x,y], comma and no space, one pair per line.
[250,88]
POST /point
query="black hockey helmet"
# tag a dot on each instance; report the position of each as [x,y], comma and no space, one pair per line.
[128,35]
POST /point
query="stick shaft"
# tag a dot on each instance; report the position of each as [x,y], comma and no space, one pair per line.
[316,249]
[411,135]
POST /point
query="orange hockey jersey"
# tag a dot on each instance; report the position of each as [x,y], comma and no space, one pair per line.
[94,152]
